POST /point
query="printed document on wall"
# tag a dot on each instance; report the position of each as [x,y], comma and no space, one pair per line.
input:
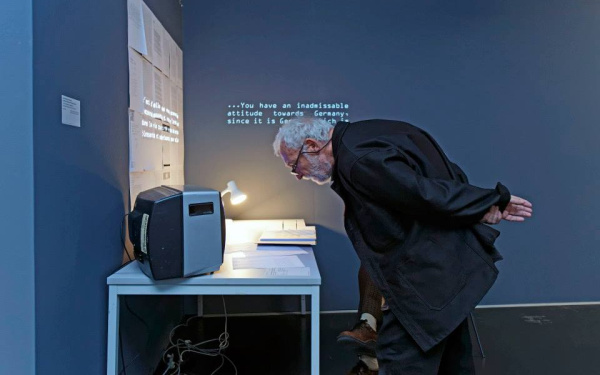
[174,156]
[145,151]
[148,99]
[166,154]
[175,115]
[173,61]
[136,35]
[141,181]
[158,99]
[158,56]
[166,50]
[180,108]
[177,176]
[164,177]
[148,18]
[179,79]
[166,110]
[136,81]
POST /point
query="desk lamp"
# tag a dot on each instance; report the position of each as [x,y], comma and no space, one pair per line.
[237,196]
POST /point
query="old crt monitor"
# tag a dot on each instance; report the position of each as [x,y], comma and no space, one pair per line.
[178,231]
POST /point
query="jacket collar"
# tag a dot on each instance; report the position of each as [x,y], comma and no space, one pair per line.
[336,137]
[336,140]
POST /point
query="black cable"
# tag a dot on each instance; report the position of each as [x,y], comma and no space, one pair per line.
[124,371]
[136,315]
[121,342]
[123,239]
[122,356]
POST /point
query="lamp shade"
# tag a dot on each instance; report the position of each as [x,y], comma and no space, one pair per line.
[237,196]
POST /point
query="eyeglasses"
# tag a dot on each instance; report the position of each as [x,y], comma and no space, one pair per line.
[295,165]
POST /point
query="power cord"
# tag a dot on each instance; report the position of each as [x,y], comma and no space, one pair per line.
[186,346]
[123,239]
[122,357]
[121,342]
[123,371]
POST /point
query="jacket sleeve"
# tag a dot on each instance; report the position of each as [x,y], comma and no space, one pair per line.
[385,176]
[461,174]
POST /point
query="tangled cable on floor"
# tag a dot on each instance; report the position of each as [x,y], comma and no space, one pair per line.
[186,346]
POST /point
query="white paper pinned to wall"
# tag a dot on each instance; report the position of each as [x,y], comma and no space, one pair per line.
[145,151]
[166,154]
[148,18]
[148,96]
[177,177]
[173,62]
[158,98]
[180,108]
[164,177]
[71,111]
[166,99]
[174,105]
[136,81]
[158,56]
[166,48]
[179,79]
[140,181]
[136,36]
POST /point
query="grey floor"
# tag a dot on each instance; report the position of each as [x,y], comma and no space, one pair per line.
[517,340]
[539,340]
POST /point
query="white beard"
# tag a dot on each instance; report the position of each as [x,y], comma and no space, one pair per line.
[320,171]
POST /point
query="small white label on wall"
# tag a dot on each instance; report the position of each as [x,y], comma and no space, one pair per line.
[71,113]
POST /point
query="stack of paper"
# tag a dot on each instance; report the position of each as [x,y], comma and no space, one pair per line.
[277,252]
[306,236]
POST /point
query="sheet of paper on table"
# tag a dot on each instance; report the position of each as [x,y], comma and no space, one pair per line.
[253,250]
[288,261]
[304,271]
[244,246]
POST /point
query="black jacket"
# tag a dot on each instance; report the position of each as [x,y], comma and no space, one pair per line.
[414,222]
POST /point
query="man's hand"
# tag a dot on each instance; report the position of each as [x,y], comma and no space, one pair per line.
[517,210]
[493,216]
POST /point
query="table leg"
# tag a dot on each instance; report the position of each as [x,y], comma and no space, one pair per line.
[200,305]
[314,328]
[112,353]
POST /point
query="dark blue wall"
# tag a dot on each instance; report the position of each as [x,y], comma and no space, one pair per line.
[81,180]
[17,333]
[509,89]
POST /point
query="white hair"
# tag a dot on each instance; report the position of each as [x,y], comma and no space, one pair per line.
[297,129]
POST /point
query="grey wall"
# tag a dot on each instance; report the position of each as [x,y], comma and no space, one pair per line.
[81,186]
[81,177]
[507,87]
[17,334]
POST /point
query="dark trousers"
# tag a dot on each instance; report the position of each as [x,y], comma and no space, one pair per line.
[399,354]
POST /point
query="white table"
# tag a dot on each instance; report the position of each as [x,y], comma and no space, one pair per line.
[131,281]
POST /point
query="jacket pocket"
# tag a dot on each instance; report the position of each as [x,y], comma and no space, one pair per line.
[433,272]
[380,230]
